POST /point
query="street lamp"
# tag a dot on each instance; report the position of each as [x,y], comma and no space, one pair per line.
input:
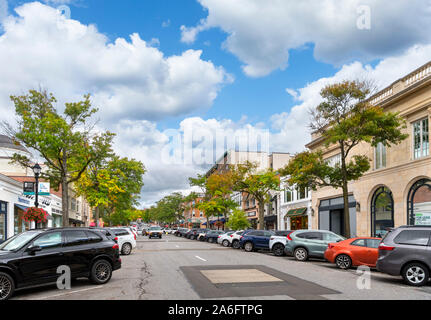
[36,170]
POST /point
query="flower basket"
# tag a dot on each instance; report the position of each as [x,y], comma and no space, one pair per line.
[35,214]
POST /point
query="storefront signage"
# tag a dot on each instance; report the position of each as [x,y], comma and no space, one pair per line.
[44,188]
[423,219]
[28,188]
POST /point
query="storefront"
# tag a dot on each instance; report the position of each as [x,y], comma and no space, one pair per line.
[270,222]
[331,215]
[419,203]
[296,219]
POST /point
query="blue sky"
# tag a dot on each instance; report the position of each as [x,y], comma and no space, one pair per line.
[213,66]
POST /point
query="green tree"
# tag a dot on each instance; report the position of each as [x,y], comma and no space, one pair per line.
[238,220]
[67,143]
[257,184]
[344,119]
[169,209]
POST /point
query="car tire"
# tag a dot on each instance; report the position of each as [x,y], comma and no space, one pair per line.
[225,243]
[101,272]
[278,249]
[248,246]
[301,254]
[7,286]
[415,274]
[343,261]
[126,249]
[235,244]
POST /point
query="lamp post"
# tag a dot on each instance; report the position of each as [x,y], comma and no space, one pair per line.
[36,170]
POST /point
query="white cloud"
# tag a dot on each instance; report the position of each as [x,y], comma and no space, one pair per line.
[127,79]
[261,33]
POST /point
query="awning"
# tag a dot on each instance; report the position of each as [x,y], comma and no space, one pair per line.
[296,212]
[271,218]
[204,224]
[19,206]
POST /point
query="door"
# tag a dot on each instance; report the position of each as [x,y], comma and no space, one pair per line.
[315,244]
[360,251]
[336,221]
[258,239]
[266,238]
[41,266]
[373,251]
[79,251]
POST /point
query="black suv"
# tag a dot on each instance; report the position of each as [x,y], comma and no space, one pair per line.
[31,258]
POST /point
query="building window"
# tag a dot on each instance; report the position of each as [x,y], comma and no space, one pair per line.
[382,212]
[380,156]
[334,160]
[421,138]
[288,195]
[3,221]
[302,193]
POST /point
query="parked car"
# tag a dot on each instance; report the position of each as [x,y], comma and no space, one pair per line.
[354,252]
[223,239]
[212,235]
[167,230]
[126,240]
[254,240]
[278,241]
[155,232]
[304,244]
[201,235]
[406,252]
[108,233]
[183,232]
[144,231]
[135,233]
[191,233]
[31,258]
[235,238]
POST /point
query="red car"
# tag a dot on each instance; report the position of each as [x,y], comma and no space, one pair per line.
[354,252]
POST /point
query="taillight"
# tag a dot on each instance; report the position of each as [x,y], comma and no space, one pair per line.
[288,237]
[116,239]
[134,236]
[272,238]
[219,236]
[241,237]
[231,235]
[115,246]
[330,246]
[384,247]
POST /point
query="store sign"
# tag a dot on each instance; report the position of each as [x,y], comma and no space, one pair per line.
[29,188]
[423,219]
[44,188]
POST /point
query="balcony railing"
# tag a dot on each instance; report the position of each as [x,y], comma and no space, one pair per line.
[406,82]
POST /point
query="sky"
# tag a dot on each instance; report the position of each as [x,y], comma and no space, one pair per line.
[180,82]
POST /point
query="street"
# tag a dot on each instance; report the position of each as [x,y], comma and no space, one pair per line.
[178,268]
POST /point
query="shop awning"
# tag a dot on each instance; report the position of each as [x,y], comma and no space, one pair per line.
[296,212]
[19,206]
[204,224]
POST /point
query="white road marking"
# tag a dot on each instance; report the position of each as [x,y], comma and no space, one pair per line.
[71,292]
[177,246]
[200,258]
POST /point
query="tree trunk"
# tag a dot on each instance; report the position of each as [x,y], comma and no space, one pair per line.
[261,215]
[65,202]
[345,193]
[97,215]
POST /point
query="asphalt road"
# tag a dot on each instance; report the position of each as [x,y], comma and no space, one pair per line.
[177,268]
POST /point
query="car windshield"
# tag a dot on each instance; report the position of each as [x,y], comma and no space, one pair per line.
[18,241]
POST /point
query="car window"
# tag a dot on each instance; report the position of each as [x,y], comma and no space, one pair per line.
[268,233]
[413,237]
[331,237]
[76,237]
[121,232]
[310,235]
[256,233]
[49,240]
[373,243]
[93,237]
[359,243]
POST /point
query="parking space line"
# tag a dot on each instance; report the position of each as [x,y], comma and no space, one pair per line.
[200,258]
[71,292]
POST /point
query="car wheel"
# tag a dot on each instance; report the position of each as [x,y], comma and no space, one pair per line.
[225,243]
[101,272]
[235,244]
[301,254]
[343,261]
[278,249]
[126,249]
[248,246]
[415,274]
[7,286]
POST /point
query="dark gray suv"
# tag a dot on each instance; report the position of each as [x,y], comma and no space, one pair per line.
[406,251]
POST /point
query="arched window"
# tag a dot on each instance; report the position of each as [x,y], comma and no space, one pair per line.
[382,212]
[419,203]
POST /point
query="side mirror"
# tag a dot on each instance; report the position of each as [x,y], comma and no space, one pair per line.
[33,249]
